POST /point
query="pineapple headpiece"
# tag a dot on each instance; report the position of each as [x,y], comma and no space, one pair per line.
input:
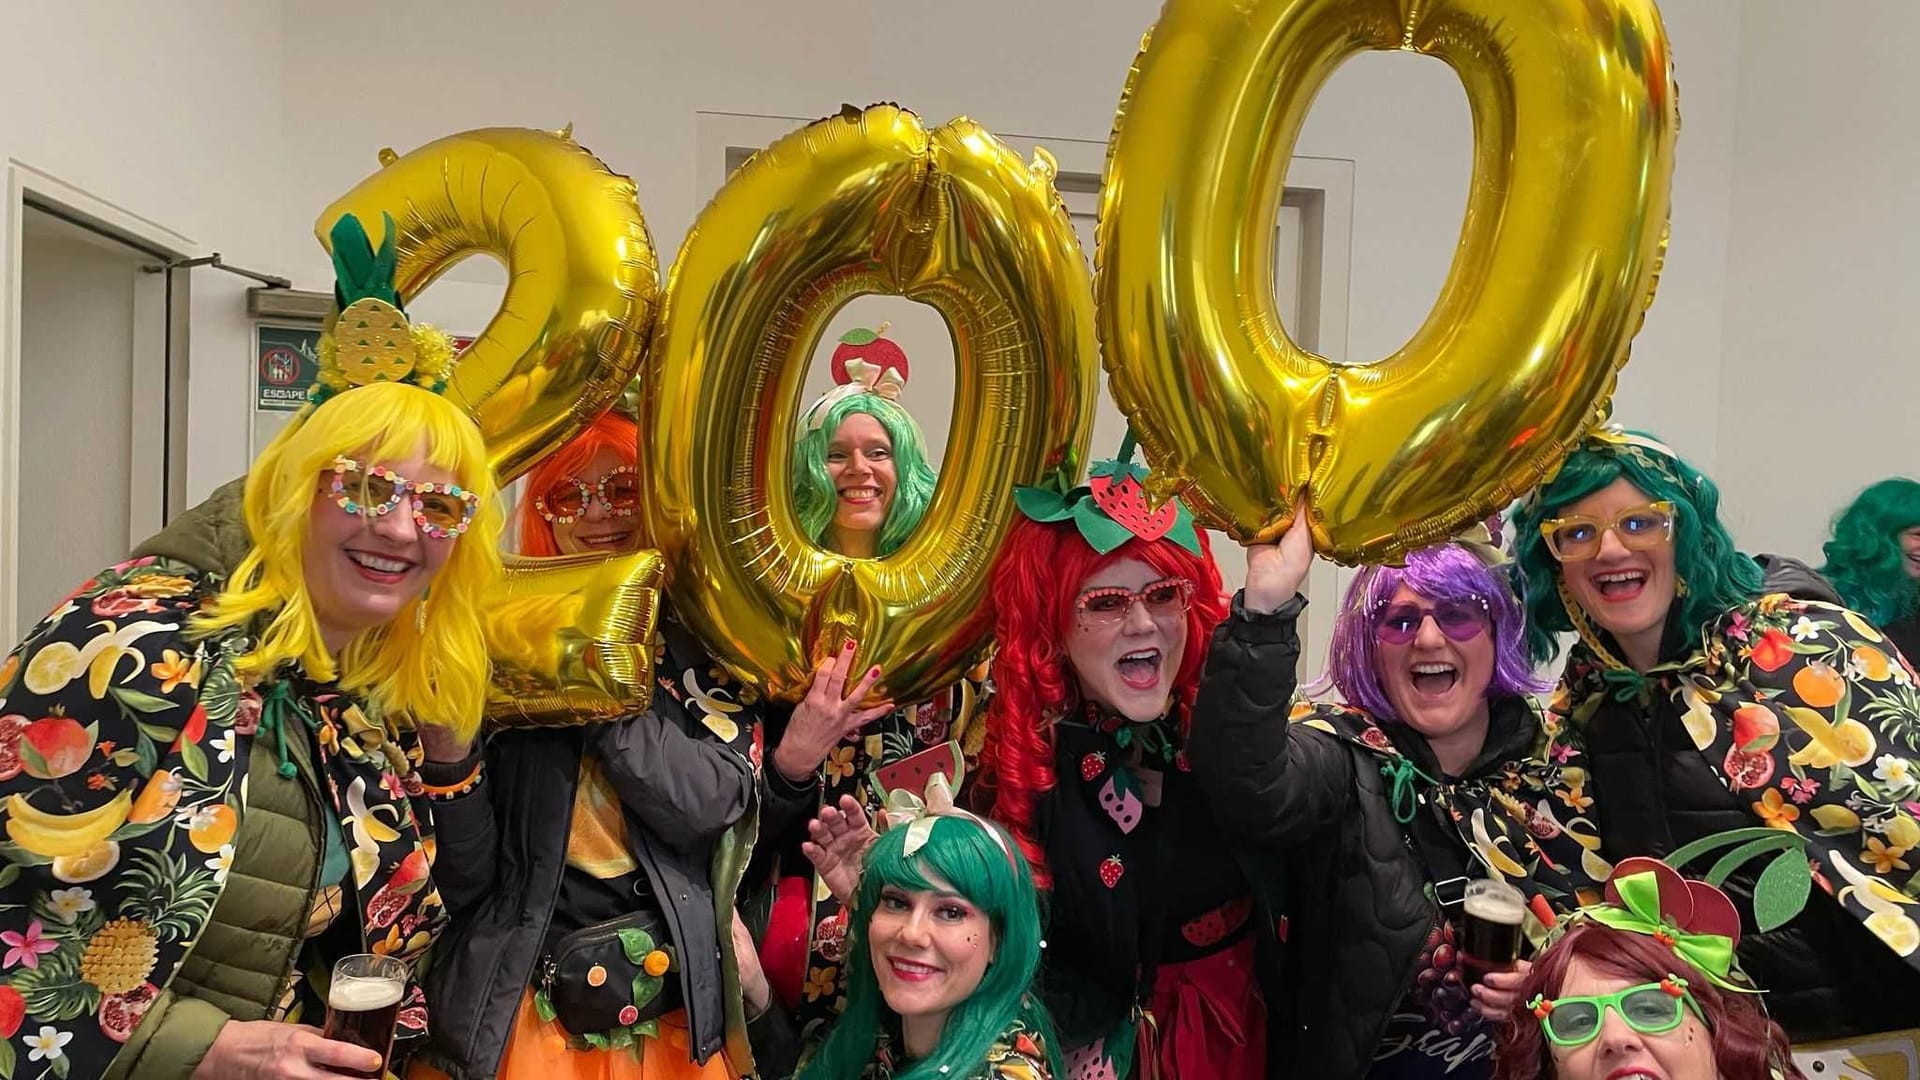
[371,339]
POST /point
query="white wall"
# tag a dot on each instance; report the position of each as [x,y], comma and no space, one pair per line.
[1822,311]
[234,123]
[631,77]
[171,112]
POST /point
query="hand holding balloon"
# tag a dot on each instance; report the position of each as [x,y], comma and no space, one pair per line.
[1275,571]
[826,716]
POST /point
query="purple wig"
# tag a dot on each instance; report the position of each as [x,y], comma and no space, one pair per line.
[1443,572]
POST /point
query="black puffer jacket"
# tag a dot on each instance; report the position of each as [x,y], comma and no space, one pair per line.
[503,849]
[1357,901]
[1825,975]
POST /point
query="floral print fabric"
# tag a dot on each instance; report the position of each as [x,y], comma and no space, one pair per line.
[123,774]
[1811,718]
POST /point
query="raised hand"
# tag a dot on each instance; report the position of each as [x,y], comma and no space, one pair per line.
[827,715]
[1275,571]
[837,841]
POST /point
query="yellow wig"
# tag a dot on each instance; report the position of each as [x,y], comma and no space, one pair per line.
[436,672]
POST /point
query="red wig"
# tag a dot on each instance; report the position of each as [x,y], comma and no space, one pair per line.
[1746,1044]
[612,431]
[1035,584]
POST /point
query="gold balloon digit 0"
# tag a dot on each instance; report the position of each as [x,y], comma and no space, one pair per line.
[571,635]
[867,202]
[1574,125]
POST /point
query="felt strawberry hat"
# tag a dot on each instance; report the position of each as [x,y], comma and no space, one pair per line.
[1111,507]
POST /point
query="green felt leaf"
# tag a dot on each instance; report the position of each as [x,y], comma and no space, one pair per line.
[1183,532]
[1102,533]
[1686,853]
[1782,889]
[1747,852]
[543,1005]
[636,944]
[1040,504]
[645,988]
[859,336]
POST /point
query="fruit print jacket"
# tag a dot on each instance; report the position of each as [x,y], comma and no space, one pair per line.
[1308,791]
[1794,713]
[162,861]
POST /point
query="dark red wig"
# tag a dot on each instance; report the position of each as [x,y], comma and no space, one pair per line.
[612,431]
[1746,1044]
[1036,581]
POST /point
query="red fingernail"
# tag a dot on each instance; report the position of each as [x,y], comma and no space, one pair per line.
[873,672]
[848,646]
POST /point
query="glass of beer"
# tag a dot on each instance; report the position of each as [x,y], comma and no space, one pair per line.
[1490,931]
[363,1003]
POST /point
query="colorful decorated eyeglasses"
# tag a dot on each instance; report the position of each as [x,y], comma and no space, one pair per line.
[440,510]
[1163,599]
[567,501]
[1461,620]
[1576,537]
[1650,1009]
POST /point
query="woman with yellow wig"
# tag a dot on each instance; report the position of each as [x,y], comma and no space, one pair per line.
[205,797]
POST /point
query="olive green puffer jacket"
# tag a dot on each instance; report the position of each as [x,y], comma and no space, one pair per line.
[241,964]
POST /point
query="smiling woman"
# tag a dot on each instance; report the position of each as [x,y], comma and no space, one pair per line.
[1711,690]
[943,947]
[1377,810]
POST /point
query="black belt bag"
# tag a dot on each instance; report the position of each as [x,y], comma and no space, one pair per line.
[611,977]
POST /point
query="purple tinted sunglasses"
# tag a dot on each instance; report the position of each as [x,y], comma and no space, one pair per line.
[1460,620]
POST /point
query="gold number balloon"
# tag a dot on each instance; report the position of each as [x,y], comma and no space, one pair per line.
[1574,125]
[570,635]
[867,202]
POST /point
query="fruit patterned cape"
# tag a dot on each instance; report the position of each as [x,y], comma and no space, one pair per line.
[1527,825]
[124,748]
[1812,719]
[1018,1054]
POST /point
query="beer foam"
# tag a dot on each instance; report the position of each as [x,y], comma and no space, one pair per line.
[1497,908]
[363,995]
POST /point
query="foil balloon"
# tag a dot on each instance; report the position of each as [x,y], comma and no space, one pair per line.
[866,202]
[1574,125]
[571,636]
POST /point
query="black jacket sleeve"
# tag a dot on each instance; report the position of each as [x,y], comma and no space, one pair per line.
[464,834]
[785,806]
[687,790]
[1271,782]
[775,1038]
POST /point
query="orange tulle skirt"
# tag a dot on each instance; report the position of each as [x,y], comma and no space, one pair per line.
[537,1050]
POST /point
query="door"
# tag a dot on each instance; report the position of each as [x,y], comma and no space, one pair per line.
[94,406]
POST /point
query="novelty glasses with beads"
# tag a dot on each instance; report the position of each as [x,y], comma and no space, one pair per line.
[440,510]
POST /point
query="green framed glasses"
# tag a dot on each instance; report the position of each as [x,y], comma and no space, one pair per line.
[1650,1009]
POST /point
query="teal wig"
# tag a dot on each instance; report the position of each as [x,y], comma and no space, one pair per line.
[1716,576]
[1865,561]
[813,495]
[980,863]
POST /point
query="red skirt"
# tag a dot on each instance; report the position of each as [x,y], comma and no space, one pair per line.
[1209,1018]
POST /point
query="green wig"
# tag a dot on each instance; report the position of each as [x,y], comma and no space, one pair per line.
[1865,561]
[914,480]
[978,861]
[1716,576]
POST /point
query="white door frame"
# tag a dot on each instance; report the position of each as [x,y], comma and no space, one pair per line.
[1323,187]
[25,185]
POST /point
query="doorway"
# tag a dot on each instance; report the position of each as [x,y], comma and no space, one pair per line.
[100,405]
